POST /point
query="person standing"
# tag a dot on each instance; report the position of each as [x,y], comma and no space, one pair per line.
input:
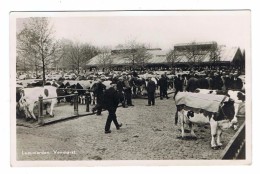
[111,101]
[178,84]
[120,90]
[237,83]
[192,84]
[163,83]
[127,91]
[99,93]
[151,87]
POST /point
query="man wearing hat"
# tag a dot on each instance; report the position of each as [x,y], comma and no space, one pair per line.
[111,101]
[127,91]
[151,87]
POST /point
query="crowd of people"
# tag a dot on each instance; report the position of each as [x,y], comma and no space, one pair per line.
[125,87]
[128,85]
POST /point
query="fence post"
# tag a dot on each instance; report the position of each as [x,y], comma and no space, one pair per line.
[40,110]
[76,104]
[87,98]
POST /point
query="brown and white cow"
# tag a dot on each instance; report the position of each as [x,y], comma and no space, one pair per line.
[217,111]
[29,99]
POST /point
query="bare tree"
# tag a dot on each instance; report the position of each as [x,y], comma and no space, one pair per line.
[35,41]
[105,58]
[76,55]
[172,57]
[215,53]
[193,53]
[136,53]
[88,52]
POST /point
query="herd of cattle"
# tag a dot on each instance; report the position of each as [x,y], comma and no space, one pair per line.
[27,97]
[218,108]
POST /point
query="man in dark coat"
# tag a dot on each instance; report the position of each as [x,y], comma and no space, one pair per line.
[120,89]
[192,84]
[151,87]
[127,91]
[237,83]
[228,81]
[111,100]
[99,89]
[217,82]
[178,84]
[203,83]
[163,83]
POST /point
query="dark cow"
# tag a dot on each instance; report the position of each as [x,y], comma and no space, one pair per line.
[138,85]
[192,84]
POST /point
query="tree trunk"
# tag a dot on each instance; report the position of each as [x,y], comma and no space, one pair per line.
[43,71]
[36,70]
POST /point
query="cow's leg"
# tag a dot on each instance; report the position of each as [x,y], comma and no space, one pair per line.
[31,106]
[181,119]
[191,125]
[219,132]
[53,101]
[94,100]
[213,128]
[83,99]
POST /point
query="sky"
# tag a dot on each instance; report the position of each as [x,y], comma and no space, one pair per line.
[158,29]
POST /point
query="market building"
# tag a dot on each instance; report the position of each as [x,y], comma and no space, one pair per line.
[204,54]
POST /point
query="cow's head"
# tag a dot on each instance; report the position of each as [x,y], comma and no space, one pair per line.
[227,112]
[241,96]
[23,107]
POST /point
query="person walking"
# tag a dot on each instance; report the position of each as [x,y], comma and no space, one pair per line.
[151,87]
[111,101]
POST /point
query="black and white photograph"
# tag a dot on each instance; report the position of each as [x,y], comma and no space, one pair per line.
[130,87]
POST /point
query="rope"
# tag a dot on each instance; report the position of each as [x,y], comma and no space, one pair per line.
[59,97]
[74,89]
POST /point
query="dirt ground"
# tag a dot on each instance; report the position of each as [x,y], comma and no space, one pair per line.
[148,133]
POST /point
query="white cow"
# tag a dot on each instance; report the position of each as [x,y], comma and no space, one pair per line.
[218,111]
[30,96]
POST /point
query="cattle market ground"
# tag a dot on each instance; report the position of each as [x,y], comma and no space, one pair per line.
[148,133]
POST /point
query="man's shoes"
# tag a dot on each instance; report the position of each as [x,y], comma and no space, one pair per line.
[93,111]
[147,105]
[108,132]
[120,125]
[131,105]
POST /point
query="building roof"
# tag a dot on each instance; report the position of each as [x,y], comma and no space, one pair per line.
[158,56]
